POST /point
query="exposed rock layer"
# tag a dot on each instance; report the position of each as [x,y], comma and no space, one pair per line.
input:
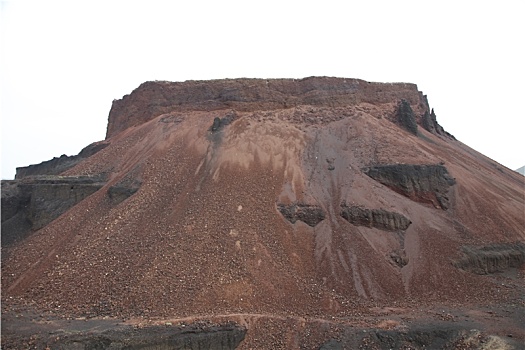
[32,203]
[195,336]
[378,218]
[422,183]
[309,214]
[126,187]
[492,258]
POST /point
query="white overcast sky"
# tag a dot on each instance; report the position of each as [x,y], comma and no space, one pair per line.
[63,62]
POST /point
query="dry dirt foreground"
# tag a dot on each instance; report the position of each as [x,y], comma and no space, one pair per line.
[270,214]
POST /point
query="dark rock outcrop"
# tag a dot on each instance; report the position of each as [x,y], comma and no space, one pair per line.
[58,165]
[219,123]
[120,192]
[437,335]
[378,218]
[399,257]
[126,187]
[32,203]
[405,117]
[421,183]
[309,214]
[492,258]
[12,199]
[429,123]
[194,336]
[15,218]
[52,196]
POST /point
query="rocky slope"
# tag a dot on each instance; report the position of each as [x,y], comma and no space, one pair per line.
[279,205]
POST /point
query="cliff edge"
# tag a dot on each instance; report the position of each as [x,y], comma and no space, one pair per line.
[154,98]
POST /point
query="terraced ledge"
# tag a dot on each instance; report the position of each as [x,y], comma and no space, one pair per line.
[200,335]
[492,258]
[378,218]
[33,202]
[421,183]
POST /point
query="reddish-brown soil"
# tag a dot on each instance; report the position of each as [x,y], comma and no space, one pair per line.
[203,239]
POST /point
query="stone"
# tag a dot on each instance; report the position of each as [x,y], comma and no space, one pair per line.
[194,336]
[309,214]
[377,218]
[126,187]
[422,183]
[492,258]
[216,124]
[405,117]
[33,202]
[399,257]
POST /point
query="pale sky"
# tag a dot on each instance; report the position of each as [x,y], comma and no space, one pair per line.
[63,62]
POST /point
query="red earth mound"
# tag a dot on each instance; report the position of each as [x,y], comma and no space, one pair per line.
[255,197]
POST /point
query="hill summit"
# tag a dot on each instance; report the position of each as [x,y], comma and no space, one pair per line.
[303,211]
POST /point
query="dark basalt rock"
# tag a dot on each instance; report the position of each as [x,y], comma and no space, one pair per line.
[405,117]
[429,123]
[32,203]
[399,257]
[119,193]
[436,335]
[39,195]
[421,183]
[219,123]
[15,219]
[126,187]
[52,197]
[58,165]
[492,258]
[12,199]
[216,124]
[194,336]
[309,214]
[378,218]
[332,344]
[432,337]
